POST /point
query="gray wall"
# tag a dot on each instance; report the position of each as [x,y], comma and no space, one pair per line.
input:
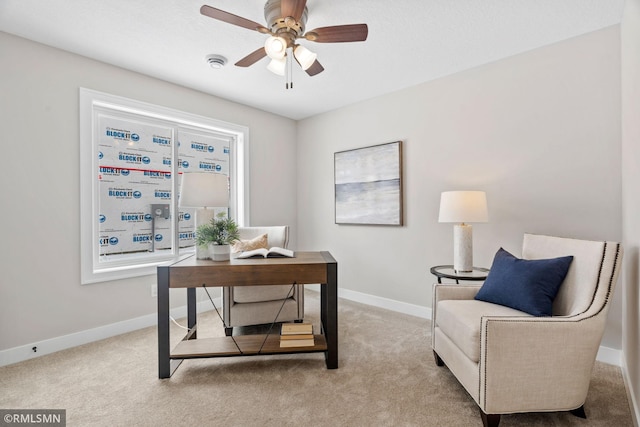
[631,197]
[40,292]
[539,132]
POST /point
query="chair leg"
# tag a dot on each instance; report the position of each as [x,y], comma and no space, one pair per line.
[439,361]
[579,412]
[489,420]
[228,331]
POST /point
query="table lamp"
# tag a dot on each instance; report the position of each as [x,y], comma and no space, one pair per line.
[462,207]
[203,190]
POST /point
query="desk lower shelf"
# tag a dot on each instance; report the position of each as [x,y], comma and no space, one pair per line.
[249,344]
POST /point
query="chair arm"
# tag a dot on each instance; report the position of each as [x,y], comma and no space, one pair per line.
[448,291]
[444,291]
[533,363]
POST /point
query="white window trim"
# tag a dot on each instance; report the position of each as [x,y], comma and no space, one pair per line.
[91,271]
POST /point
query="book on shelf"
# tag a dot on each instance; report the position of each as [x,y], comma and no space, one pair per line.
[296,335]
[274,252]
[298,343]
[296,328]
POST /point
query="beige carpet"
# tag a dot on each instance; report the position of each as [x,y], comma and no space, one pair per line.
[387,377]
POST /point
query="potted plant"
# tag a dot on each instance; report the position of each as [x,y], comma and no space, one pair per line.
[218,234]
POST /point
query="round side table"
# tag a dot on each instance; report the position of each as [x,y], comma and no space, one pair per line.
[447,271]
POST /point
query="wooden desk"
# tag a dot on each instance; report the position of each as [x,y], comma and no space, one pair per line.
[192,273]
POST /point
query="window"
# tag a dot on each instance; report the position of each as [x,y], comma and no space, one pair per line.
[132,156]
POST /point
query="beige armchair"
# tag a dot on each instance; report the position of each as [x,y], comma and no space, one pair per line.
[256,305]
[512,362]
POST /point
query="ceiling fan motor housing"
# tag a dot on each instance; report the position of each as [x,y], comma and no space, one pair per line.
[279,24]
[286,21]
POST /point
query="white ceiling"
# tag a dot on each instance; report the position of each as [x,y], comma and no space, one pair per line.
[410,42]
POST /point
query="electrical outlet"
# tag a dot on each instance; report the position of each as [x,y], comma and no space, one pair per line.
[154,290]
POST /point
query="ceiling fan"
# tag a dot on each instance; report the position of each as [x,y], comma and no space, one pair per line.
[286,21]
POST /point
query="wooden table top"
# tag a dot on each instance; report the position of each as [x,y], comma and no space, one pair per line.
[304,268]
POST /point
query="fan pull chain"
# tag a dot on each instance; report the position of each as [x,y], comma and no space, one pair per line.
[289,69]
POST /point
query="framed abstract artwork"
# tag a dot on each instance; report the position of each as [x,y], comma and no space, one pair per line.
[368,185]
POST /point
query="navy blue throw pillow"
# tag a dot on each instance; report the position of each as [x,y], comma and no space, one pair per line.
[522,284]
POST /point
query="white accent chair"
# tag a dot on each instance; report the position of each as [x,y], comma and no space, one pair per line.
[512,362]
[256,305]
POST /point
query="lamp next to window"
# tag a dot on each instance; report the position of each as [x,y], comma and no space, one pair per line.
[204,190]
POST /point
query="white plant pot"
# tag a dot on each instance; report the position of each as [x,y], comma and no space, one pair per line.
[219,252]
[202,251]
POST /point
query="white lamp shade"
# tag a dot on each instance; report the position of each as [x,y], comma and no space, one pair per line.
[276,47]
[204,189]
[463,206]
[305,57]
[277,66]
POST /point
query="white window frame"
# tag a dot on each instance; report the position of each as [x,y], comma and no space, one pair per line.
[92,102]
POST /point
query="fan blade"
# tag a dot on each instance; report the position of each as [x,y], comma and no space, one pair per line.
[252,58]
[315,68]
[293,8]
[230,18]
[339,34]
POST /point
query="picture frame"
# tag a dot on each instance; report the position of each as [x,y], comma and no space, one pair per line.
[368,185]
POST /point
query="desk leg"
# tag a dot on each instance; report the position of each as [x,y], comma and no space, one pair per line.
[166,366]
[329,315]
[191,312]
[164,363]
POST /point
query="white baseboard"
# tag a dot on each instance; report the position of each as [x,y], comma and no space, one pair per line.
[26,352]
[386,303]
[610,356]
[631,393]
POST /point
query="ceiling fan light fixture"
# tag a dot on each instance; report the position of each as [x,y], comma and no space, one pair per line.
[305,57]
[285,23]
[276,47]
[277,66]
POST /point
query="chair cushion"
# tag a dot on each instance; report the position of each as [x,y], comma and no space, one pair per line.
[244,294]
[277,235]
[460,321]
[525,285]
[258,242]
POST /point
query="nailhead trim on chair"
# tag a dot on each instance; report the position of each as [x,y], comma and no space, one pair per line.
[606,301]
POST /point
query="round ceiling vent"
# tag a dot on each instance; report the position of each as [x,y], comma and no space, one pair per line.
[216,61]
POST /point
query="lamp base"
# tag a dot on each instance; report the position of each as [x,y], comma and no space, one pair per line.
[203,216]
[462,248]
